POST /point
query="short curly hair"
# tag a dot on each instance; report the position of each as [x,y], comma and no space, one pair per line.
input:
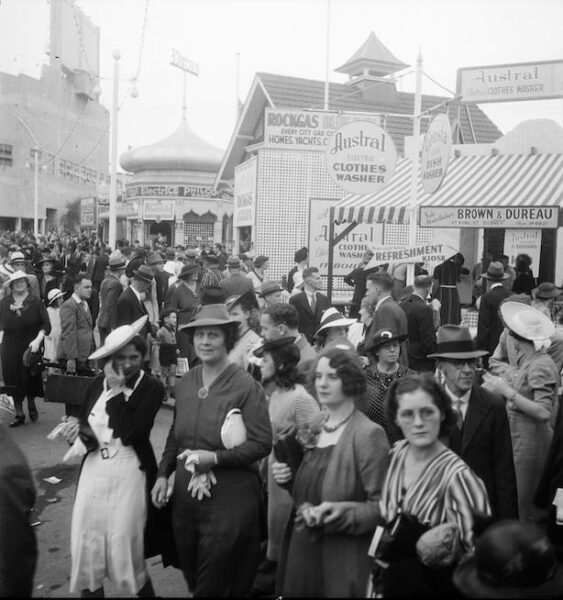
[426,383]
[285,361]
[348,368]
[230,331]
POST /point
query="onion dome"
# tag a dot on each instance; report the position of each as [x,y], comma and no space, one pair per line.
[183,150]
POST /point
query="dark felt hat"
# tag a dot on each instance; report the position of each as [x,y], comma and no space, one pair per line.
[270,345]
[495,272]
[209,315]
[155,259]
[455,341]
[144,272]
[247,299]
[212,294]
[547,290]
[382,337]
[188,270]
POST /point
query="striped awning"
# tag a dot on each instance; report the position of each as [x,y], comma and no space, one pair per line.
[480,181]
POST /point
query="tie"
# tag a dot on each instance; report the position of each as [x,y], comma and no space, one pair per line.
[86,309]
[313,302]
[456,406]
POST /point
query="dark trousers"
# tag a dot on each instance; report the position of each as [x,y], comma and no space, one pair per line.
[104,332]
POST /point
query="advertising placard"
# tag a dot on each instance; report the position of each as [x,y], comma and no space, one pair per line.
[158,208]
[179,191]
[307,130]
[349,251]
[517,217]
[88,212]
[244,196]
[434,253]
[505,83]
[523,241]
[361,157]
[435,154]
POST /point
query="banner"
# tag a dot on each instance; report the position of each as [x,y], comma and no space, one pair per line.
[349,251]
[422,253]
[526,217]
[177,191]
[244,196]
[307,130]
[158,208]
[514,82]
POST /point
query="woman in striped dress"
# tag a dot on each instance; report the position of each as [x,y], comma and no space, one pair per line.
[426,481]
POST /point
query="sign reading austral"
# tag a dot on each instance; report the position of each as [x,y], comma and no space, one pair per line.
[513,217]
[361,157]
[505,83]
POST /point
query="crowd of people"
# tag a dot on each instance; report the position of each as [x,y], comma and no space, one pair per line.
[388,453]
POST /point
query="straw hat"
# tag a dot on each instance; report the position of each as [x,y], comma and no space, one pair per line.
[17,275]
[332,317]
[53,295]
[454,341]
[209,315]
[116,262]
[512,560]
[119,338]
[17,257]
[526,321]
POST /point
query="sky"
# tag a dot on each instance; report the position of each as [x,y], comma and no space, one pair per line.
[285,37]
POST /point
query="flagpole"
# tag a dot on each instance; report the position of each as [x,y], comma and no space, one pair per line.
[415,160]
[327,71]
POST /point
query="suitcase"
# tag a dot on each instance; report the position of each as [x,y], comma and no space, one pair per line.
[66,389]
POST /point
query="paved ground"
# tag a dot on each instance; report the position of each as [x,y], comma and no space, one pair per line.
[54,504]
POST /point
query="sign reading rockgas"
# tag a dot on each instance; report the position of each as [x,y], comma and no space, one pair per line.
[361,157]
[435,154]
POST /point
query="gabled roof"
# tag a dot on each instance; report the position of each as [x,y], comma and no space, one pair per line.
[375,54]
[281,91]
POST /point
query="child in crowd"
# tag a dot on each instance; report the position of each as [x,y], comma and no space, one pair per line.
[55,298]
[168,349]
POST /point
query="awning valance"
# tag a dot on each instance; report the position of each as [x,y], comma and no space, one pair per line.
[515,180]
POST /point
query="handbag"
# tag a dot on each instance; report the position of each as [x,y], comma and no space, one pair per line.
[66,389]
[288,450]
[398,541]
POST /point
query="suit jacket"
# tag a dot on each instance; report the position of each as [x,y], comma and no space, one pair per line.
[490,326]
[422,335]
[236,284]
[129,309]
[183,301]
[110,290]
[132,421]
[161,279]
[391,316]
[77,332]
[309,322]
[18,548]
[485,444]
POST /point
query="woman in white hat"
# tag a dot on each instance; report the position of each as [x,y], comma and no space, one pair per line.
[531,396]
[24,323]
[114,525]
[334,330]
[217,502]
[53,301]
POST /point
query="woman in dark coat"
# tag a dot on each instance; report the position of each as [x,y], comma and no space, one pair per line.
[217,507]
[114,526]
[24,323]
[446,275]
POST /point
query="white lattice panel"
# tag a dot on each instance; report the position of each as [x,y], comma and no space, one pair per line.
[286,181]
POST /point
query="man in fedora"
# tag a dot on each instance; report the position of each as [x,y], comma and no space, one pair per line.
[544,299]
[162,278]
[110,290]
[236,283]
[490,325]
[183,298]
[482,435]
[131,305]
[272,293]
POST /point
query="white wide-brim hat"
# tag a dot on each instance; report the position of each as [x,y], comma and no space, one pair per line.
[526,321]
[53,295]
[119,338]
[332,317]
[17,275]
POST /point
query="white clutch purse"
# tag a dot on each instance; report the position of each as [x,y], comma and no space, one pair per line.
[233,431]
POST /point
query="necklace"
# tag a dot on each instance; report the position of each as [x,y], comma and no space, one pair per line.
[332,429]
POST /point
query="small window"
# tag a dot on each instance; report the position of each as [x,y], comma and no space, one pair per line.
[6,157]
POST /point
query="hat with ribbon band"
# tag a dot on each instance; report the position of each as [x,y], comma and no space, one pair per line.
[455,341]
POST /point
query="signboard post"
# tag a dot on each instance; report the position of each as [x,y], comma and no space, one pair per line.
[186,66]
[435,155]
[244,198]
[88,214]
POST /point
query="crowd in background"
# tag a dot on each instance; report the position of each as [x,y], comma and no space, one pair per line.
[316,451]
